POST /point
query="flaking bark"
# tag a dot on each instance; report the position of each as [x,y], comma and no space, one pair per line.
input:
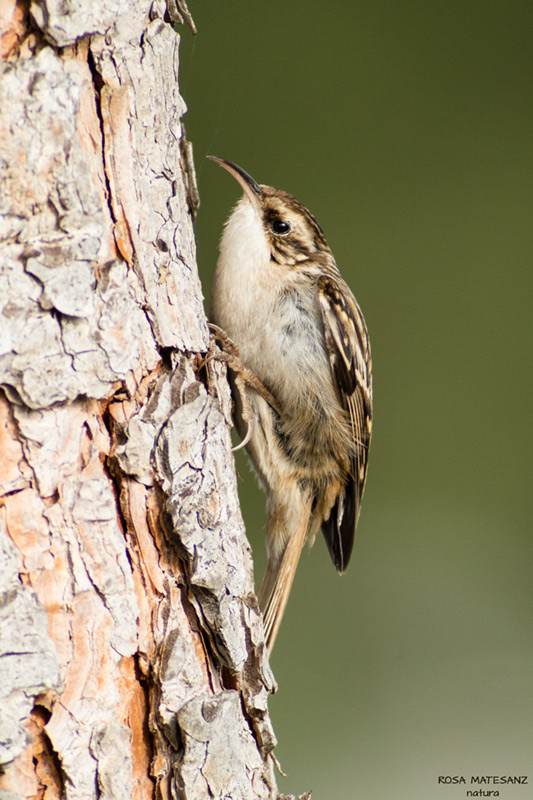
[132,657]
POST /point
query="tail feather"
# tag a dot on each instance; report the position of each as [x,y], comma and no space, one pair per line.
[277,583]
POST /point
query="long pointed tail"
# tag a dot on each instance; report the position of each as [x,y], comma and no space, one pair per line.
[277,582]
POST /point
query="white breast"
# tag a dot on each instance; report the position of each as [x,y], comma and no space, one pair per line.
[270,313]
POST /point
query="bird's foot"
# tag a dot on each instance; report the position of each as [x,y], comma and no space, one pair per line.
[224,349]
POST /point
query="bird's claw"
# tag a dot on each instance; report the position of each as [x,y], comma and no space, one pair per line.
[244,378]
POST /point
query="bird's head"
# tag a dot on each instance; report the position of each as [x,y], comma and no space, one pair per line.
[275,223]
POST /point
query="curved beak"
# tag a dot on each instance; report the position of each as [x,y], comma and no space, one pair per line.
[252,190]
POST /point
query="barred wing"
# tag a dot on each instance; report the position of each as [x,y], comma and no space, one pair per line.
[348,349]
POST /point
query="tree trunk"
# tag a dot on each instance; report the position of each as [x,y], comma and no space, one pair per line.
[132,658]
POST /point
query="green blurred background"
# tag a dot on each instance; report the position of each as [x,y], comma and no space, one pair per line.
[407,129]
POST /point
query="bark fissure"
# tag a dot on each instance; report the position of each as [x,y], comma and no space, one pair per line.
[45,758]
[98,84]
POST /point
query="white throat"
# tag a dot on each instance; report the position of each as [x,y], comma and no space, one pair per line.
[244,245]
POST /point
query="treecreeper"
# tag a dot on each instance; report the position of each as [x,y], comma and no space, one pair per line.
[298,329]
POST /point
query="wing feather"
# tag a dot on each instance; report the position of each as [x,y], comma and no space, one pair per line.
[348,349]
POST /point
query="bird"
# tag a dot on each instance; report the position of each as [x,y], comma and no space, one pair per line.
[296,326]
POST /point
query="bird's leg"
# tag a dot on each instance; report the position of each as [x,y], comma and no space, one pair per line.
[244,377]
[229,353]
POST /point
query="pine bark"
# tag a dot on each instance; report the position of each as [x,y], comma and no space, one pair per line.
[132,657]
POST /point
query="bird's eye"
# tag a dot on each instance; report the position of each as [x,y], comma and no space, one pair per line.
[280,227]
